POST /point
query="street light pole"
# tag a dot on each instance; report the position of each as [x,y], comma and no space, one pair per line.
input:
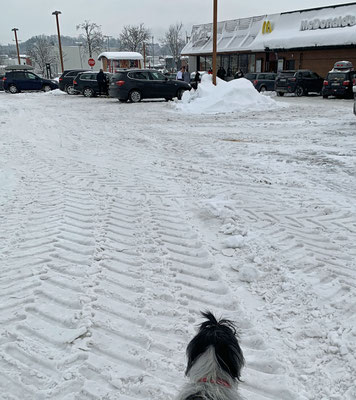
[56,13]
[80,44]
[153,53]
[215,36]
[17,45]
[108,41]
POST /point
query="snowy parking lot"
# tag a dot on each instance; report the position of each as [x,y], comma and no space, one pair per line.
[119,223]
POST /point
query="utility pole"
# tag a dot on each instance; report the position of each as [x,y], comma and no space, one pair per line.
[108,39]
[215,38]
[17,45]
[56,13]
[153,52]
[144,55]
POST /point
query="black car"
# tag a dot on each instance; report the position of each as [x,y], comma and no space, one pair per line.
[262,81]
[66,80]
[86,83]
[300,82]
[137,84]
[1,82]
[18,80]
[339,81]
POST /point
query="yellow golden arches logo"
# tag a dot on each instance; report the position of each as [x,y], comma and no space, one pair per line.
[267,27]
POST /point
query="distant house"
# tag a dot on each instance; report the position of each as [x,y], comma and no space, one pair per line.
[113,61]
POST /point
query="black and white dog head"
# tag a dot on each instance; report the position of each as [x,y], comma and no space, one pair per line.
[215,361]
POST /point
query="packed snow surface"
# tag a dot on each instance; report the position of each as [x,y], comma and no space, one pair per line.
[119,223]
[234,96]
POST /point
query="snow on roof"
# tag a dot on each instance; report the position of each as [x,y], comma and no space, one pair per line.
[329,26]
[121,55]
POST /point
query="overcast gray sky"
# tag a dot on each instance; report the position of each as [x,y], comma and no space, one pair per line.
[33,17]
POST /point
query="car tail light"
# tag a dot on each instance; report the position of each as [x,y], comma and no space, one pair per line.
[354,81]
[60,79]
[75,82]
[255,82]
[120,83]
[346,83]
[4,79]
[325,83]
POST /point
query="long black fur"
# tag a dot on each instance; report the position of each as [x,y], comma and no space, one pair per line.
[215,361]
[223,337]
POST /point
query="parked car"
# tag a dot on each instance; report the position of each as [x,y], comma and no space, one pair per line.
[300,82]
[264,81]
[1,82]
[19,79]
[339,81]
[137,84]
[354,90]
[66,80]
[251,76]
[86,84]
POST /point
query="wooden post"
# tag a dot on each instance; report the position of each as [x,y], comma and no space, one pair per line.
[215,38]
[17,45]
[144,55]
[56,13]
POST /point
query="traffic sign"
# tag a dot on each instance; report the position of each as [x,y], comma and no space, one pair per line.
[91,62]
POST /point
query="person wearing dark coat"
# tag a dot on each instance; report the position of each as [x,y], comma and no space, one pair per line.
[102,82]
[196,79]
[239,74]
[221,73]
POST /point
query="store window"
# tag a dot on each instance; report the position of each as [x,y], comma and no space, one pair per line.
[290,64]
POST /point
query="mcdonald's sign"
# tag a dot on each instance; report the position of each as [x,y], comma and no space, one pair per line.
[267,27]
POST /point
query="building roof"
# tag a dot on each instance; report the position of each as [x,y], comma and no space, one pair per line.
[120,55]
[318,27]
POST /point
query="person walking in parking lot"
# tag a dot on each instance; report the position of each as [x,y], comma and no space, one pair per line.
[180,74]
[186,75]
[102,82]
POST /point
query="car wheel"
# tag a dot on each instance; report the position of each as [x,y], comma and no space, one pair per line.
[180,94]
[280,94]
[299,91]
[355,107]
[70,90]
[13,89]
[46,88]
[88,92]
[263,89]
[135,96]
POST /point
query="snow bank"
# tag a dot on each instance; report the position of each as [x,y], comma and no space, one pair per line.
[234,96]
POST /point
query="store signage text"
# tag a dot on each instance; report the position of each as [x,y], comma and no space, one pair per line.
[267,27]
[338,22]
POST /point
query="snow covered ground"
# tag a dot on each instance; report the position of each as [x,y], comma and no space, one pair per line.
[120,222]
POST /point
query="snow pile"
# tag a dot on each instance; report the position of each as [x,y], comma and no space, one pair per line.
[226,97]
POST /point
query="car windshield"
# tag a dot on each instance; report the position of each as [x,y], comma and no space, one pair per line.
[157,76]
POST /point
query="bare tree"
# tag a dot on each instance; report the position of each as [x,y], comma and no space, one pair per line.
[93,40]
[133,37]
[42,52]
[174,41]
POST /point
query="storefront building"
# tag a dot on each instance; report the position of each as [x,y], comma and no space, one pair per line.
[306,39]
